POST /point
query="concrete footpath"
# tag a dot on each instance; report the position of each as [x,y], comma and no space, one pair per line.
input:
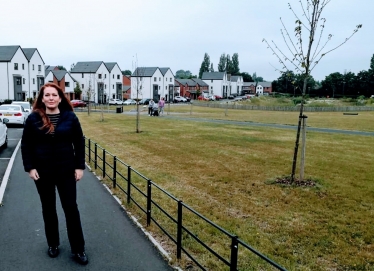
[113,241]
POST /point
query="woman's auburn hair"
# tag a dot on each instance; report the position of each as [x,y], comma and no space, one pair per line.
[40,108]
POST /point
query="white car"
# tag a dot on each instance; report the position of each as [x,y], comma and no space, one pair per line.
[129,101]
[115,101]
[178,99]
[25,105]
[3,132]
[15,113]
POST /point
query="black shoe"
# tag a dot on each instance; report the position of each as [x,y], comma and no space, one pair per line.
[81,258]
[53,252]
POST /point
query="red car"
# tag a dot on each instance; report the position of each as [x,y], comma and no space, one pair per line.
[203,98]
[218,97]
[78,103]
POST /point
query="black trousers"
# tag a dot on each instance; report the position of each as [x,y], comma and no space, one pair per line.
[66,186]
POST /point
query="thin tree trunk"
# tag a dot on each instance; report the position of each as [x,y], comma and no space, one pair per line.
[303,145]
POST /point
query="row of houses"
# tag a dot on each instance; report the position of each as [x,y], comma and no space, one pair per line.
[23,72]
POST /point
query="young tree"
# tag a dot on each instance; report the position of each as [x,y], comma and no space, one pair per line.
[61,68]
[77,90]
[304,56]
[204,65]
[235,64]
[222,63]
[126,72]
[89,92]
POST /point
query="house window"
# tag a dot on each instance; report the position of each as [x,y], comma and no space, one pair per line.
[113,85]
[99,75]
[154,79]
[82,75]
[170,79]
[23,66]
[159,87]
[105,86]
[159,79]
[33,81]
[15,66]
[67,84]
[24,80]
[118,76]
[18,82]
[113,76]
[166,87]
[39,67]
[82,86]
[33,67]
[104,75]
[211,87]
[211,81]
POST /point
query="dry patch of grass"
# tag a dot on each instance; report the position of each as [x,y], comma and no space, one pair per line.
[222,171]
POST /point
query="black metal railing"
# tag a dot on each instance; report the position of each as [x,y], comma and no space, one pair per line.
[183,224]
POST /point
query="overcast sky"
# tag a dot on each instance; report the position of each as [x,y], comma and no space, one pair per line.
[176,33]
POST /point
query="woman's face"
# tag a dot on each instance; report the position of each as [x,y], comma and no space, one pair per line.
[51,99]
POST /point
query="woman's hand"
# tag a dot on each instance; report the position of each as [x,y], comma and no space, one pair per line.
[78,174]
[33,174]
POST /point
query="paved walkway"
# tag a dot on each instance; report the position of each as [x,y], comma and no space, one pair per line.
[113,241]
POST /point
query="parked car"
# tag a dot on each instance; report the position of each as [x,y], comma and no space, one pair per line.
[78,103]
[211,98]
[188,99]
[144,101]
[15,113]
[238,98]
[129,101]
[217,97]
[25,105]
[203,98]
[115,101]
[231,97]
[178,99]
[3,133]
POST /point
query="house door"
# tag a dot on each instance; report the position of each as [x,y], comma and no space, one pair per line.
[155,92]
[17,83]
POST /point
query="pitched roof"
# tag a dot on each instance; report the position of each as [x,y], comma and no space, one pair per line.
[126,88]
[144,71]
[264,84]
[213,75]
[7,52]
[59,74]
[234,78]
[87,67]
[29,52]
[110,65]
[164,70]
[200,82]
[187,82]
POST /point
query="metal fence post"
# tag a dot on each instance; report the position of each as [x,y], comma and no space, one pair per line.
[114,171]
[95,155]
[128,184]
[234,253]
[104,162]
[149,202]
[179,230]
[89,150]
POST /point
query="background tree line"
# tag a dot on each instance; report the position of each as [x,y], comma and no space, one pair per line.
[334,85]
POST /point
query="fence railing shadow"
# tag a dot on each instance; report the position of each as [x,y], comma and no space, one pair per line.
[192,233]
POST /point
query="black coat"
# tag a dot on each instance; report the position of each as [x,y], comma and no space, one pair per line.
[61,152]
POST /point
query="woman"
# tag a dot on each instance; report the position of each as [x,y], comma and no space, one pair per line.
[53,154]
[161,105]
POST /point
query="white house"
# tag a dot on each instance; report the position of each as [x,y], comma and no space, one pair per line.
[36,71]
[146,82]
[63,79]
[236,84]
[218,84]
[167,88]
[115,80]
[93,76]
[16,78]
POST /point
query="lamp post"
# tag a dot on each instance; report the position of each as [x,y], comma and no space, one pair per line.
[343,87]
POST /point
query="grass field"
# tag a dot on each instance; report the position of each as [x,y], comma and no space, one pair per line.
[223,172]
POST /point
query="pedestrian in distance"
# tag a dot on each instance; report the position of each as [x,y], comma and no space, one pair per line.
[53,153]
[150,107]
[161,105]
